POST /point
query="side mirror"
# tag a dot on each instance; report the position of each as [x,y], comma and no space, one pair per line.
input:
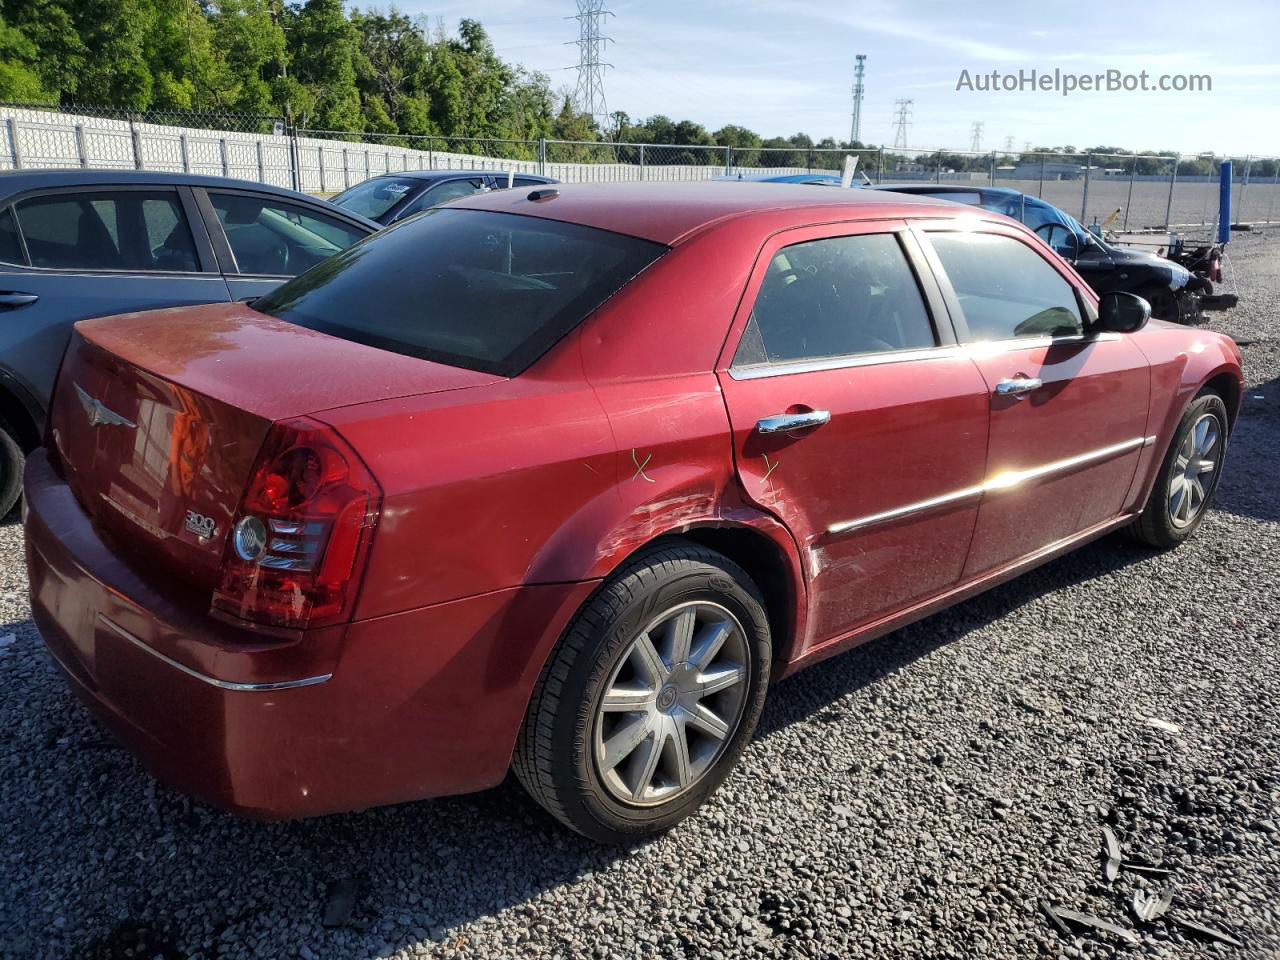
[1122,313]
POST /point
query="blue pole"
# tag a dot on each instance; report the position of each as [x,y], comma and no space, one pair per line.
[1224,202]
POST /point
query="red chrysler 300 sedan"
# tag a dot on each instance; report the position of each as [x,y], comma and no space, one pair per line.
[559,481]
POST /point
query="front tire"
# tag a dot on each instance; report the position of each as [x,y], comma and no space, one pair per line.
[649,698]
[1164,305]
[1188,477]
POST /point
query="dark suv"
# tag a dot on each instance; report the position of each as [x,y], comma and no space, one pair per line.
[88,243]
[1173,291]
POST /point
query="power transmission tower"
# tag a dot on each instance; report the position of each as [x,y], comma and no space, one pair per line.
[901,120]
[1008,143]
[855,128]
[589,92]
[975,140]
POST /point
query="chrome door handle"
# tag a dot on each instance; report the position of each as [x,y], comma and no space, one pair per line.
[1011,388]
[787,422]
[10,298]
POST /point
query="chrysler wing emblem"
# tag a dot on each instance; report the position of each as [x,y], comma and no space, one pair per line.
[98,414]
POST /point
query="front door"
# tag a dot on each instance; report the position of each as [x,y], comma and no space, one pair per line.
[1068,410]
[856,419]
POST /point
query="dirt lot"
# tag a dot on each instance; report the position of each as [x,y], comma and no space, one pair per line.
[917,797]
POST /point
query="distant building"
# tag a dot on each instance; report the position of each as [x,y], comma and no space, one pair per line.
[1050,170]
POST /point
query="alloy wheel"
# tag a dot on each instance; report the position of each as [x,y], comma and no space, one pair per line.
[672,703]
[1194,470]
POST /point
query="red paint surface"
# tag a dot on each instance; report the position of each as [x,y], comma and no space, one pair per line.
[506,501]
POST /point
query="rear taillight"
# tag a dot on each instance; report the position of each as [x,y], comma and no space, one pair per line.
[302,534]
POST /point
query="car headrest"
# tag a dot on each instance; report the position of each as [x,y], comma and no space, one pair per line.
[241,210]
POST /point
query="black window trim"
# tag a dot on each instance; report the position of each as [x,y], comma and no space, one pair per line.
[963,335]
[226,259]
[944,333]
[203,249]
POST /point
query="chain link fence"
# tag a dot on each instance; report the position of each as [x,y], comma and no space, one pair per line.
[1124,192]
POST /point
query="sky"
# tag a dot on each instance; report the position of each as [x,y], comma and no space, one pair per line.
[780,67]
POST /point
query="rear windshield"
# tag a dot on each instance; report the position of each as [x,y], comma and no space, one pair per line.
[470,288]
[375,197]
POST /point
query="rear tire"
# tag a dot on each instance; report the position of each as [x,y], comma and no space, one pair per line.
[12,461]
[650,696]
[1188,478]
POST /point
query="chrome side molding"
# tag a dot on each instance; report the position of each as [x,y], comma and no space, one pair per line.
[1005,480]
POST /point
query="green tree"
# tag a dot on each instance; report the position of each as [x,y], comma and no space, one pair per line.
[323,50]
[19,79]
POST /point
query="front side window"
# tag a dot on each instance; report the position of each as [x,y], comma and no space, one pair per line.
[475,289]
[1005,288]
[835,297]
[108,230]
[374,197]
[277,238]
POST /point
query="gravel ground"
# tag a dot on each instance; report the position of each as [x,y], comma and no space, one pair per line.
[914,798]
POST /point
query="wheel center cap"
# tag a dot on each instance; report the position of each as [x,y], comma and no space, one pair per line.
[667,697]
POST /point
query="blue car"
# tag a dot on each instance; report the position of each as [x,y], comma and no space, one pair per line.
[394,196]
[816,179]
[76,244]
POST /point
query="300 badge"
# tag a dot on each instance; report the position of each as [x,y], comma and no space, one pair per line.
[201,525]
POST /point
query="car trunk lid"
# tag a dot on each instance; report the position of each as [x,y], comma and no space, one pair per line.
[158,417]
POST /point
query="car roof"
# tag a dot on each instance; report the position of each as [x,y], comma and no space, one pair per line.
[946,188]
[455,175]
[781,177]
[668,212]
[13,181]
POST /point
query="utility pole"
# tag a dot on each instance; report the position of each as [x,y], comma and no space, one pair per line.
[855,128]
[975,137]
[901,120]
[588,95]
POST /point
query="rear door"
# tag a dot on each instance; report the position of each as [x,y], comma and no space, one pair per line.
[856,419]
[1068,410]
[262,239]
[71,254]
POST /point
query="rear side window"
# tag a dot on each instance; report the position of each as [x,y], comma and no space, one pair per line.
[10,245]
[1005,288]
[278,238]
[835,297]
[475,289]
[108,230]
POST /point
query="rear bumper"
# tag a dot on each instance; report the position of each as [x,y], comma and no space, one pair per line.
[416,704]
